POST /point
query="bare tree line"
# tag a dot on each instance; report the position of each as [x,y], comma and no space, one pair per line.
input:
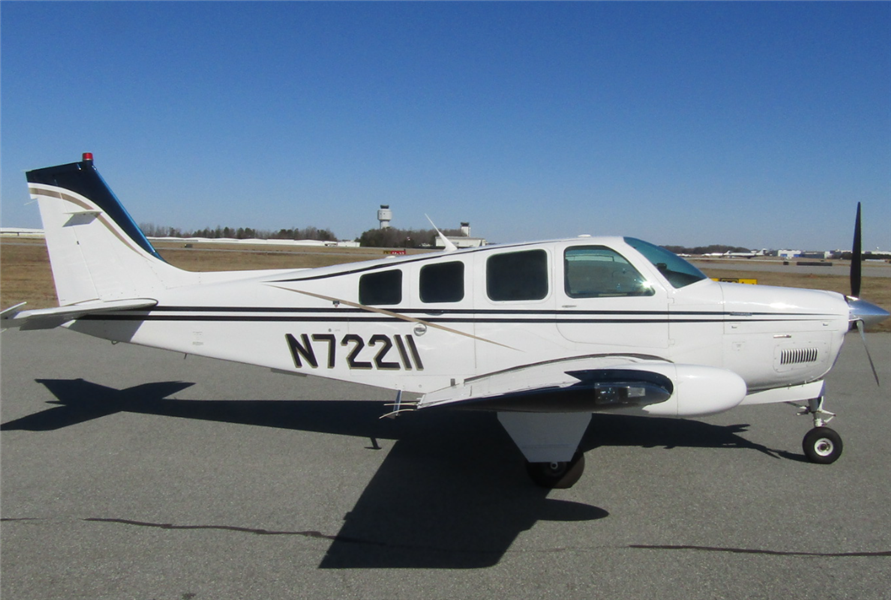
[390,237]
[240,233]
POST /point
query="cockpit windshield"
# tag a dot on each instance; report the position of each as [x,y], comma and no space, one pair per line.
[675,269]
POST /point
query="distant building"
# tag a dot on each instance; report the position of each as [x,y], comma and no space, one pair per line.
[462,241]
[788,253]
[385,215]
[818,254]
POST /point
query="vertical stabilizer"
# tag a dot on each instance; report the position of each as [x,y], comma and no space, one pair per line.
[96,250]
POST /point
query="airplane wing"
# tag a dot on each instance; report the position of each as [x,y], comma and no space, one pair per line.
[47,318]
[614,383]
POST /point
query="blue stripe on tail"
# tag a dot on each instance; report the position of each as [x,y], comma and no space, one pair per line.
[83,178]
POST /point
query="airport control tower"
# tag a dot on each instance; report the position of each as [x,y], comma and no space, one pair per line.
[385,215]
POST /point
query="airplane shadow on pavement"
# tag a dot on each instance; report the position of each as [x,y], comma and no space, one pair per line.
[451,493]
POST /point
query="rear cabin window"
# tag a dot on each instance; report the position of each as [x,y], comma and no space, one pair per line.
[384,287]
[597,272]
[443,282]
[517,276]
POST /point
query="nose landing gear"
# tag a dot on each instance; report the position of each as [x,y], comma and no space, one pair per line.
[821,444]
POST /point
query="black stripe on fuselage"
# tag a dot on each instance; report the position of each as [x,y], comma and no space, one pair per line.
[436,312]
[467,316]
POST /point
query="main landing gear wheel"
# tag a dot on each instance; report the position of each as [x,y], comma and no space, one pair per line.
[822,445]
[557,475]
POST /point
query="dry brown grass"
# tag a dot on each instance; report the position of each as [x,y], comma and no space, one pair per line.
[873,289]
[221,257]
[25,273]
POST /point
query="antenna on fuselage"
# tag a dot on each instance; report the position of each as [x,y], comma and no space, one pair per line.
[449,246]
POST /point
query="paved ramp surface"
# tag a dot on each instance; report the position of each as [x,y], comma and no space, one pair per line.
[134,473]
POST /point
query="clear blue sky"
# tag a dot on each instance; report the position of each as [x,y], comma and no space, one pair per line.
[755,124]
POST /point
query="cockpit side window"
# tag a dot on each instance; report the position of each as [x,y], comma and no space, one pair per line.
[442,282]
[675,269]
[517,276]
[381,287]
[598,272]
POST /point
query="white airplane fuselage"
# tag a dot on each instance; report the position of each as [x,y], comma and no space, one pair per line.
[545,334]
[313,322]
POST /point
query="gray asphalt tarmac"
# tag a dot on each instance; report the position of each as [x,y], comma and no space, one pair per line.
[134,473]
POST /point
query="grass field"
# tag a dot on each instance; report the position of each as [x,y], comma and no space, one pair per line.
[25,273]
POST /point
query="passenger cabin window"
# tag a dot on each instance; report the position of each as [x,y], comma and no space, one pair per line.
[383,287]
[517,276]
[598,272]
[442,282]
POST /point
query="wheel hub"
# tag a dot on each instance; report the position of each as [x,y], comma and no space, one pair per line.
[824,447]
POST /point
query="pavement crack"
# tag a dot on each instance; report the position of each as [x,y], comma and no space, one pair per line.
[759,551]
[312,534]
[308,534]
[255,531]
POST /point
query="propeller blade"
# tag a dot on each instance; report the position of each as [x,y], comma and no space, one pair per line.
[856,264]
[868,355]
[862,313]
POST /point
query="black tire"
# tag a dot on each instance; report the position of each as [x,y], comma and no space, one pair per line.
[559,475]
[822,445]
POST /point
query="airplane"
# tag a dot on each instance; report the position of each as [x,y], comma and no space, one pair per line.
[545,334]
[729,254]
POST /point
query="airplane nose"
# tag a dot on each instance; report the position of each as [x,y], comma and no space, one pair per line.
[869,314]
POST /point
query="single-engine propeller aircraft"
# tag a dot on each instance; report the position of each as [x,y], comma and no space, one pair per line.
[545,334]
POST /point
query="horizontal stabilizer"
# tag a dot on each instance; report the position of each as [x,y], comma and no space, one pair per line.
[47,318]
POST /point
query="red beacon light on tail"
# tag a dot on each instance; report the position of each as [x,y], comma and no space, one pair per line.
[88,157]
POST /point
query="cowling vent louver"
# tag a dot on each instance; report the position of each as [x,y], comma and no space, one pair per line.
[798,355]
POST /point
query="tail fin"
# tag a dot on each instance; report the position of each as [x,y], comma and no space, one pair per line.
[96,250]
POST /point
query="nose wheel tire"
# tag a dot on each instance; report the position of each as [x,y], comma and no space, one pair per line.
[822,445]
[557,475]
